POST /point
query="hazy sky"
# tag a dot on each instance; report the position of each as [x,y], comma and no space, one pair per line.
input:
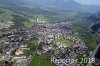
[89,2]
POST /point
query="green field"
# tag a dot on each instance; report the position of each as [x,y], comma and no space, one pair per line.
[81,26]
[65,42]
[80,59]
[41,61]
[90,39]
[5,15]
[32,44]
[1,33]
[37,60]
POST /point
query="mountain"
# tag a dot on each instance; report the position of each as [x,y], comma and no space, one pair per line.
[68,5]
[58,4]
[11,2]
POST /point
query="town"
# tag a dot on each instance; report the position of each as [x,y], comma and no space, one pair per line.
[50,44]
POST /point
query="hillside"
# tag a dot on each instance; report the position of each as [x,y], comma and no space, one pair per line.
[23,11]
[5,15]
[65,22]
[68,5]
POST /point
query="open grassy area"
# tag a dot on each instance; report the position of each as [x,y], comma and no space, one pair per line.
[1,33]
[81,26]
[28,24]
[82,60]
[41,61]
[65,42]
[90,39]
[32,44]
[37,60]
[5,15]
